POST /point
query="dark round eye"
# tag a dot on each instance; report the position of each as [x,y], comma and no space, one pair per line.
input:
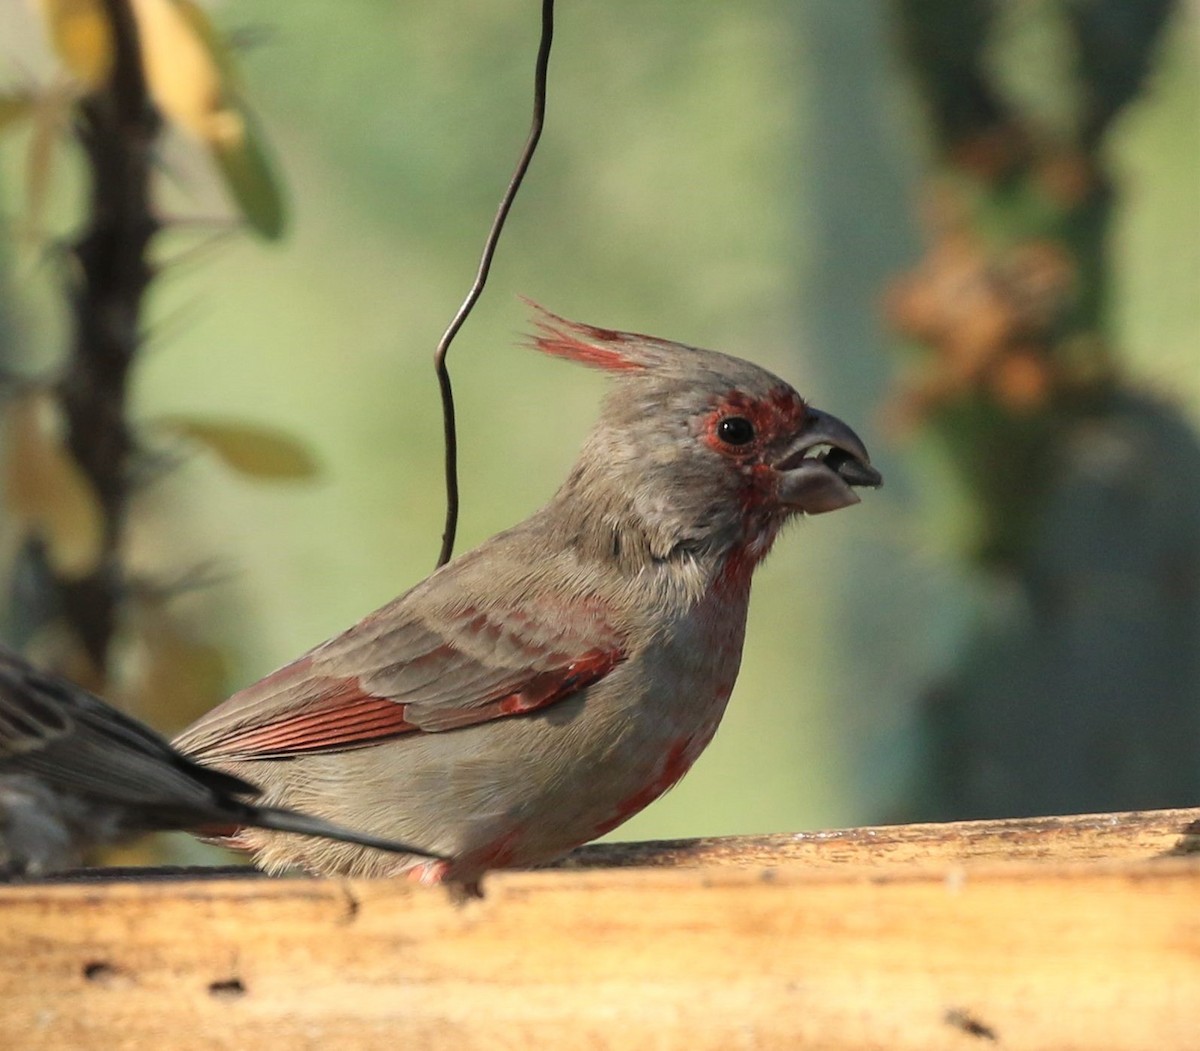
[735,430]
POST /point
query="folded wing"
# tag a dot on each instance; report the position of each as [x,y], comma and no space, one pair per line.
[401,671]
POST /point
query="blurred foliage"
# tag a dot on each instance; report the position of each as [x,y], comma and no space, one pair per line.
[47,495]
[192,79]
[250,449]
[76,469]
[1072,695]
[737,176]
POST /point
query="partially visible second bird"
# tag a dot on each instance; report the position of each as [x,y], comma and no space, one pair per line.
[76,773]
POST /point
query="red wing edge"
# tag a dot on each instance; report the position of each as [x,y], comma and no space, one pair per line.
[349,717]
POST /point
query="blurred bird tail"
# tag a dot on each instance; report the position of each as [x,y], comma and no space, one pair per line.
[282,820]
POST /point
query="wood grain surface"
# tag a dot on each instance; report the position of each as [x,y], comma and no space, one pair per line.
[1073,933]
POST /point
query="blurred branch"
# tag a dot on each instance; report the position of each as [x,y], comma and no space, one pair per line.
[945,41]
[117,126]
[541,69]
[1116,43]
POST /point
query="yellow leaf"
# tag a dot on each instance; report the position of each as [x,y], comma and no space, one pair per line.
[249,448]
[193,81]
[181,72]
[199,21]
[45,489]
[80,33]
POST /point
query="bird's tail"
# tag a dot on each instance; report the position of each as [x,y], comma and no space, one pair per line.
[279,819]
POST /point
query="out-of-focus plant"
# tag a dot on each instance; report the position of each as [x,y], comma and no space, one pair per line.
[189,76]
[73,459]
[1079,690]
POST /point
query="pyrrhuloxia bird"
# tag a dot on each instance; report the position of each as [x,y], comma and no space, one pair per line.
[75,773]
[538,691]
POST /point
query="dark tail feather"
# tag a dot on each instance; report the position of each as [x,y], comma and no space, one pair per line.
[280,820]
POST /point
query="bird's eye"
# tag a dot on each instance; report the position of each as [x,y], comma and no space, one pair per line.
[735,430]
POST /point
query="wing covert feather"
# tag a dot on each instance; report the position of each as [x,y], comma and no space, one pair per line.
[402,670]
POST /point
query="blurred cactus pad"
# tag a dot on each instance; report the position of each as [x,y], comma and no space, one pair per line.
[1079,687]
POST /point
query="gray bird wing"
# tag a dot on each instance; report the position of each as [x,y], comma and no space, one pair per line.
[418,665]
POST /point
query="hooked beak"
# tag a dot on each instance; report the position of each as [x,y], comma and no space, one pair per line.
[819,470]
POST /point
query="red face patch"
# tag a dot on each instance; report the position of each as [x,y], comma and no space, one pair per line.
[778,415]
[773,419]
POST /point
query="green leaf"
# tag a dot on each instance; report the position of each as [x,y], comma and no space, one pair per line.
[248,448]
[245,163]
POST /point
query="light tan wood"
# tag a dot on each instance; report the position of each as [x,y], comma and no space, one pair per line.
[1134,834]
[894,954]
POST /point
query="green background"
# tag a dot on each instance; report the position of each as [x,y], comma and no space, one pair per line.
[739,176]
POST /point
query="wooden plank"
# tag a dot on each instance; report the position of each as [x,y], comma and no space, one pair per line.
[1133,834]
[1021,955]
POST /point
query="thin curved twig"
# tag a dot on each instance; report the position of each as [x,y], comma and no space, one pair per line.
[541,69]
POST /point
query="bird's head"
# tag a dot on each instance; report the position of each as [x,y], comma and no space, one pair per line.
[704,450]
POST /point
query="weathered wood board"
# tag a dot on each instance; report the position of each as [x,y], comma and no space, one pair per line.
[1077,933]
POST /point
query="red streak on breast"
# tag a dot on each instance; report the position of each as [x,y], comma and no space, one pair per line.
[721,613]
[500,852]
[678,762]
[733,578]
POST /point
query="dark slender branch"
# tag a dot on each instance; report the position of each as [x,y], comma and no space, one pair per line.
[485,264]
[117,126]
